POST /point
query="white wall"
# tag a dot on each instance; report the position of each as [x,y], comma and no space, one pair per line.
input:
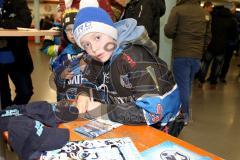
[45,9]
[165,43]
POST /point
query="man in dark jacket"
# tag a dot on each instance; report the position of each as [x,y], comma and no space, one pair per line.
[223,30]
[232,46]
[147,13]
[15,58]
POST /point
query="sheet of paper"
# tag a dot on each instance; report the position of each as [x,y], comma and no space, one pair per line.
[104,149]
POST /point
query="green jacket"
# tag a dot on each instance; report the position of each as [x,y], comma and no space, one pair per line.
[190,28]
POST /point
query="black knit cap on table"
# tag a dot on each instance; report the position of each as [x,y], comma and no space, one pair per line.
[29,138]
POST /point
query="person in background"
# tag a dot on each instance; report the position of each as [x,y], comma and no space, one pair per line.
[186,26]
[15,58]
[51,44]
[105,4]
[46,23]
[65,66]
[208,6]
[117,9]
[147,13]
[138,87]
[232,46]
[223,30]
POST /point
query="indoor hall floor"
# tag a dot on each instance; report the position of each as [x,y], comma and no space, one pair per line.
[215,125]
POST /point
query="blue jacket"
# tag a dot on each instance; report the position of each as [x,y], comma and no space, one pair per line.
[69,58]
[69,53]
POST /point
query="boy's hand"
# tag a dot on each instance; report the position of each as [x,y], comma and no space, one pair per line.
[82,103]
[67,74]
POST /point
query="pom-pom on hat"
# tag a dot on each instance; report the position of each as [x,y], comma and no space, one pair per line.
[88,3]
[68,17]
[91,18]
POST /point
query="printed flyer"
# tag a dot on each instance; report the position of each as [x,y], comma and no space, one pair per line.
[104,149]
[170,151]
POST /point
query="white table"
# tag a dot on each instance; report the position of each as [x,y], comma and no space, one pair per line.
[27,32]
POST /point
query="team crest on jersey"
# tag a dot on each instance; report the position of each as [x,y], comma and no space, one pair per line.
[158,116]
[124,81]
[75,80]
[128,59]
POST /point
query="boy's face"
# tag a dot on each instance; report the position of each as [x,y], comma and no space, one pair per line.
[69,33]
[98,45]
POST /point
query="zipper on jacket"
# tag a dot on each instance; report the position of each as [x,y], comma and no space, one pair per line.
[139,15]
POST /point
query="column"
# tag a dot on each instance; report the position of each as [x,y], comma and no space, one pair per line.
[165,43]
[36,18]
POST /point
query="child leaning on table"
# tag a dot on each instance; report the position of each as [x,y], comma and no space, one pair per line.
[65,66]
[138,87]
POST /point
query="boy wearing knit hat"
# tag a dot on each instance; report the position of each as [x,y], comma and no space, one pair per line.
[66,66]
[138,87]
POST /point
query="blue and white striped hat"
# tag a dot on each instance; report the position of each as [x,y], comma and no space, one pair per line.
[91,18]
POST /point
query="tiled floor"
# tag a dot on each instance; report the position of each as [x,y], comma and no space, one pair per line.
[215,124]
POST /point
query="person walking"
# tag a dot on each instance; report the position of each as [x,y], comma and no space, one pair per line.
[186,26]
[223,29]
